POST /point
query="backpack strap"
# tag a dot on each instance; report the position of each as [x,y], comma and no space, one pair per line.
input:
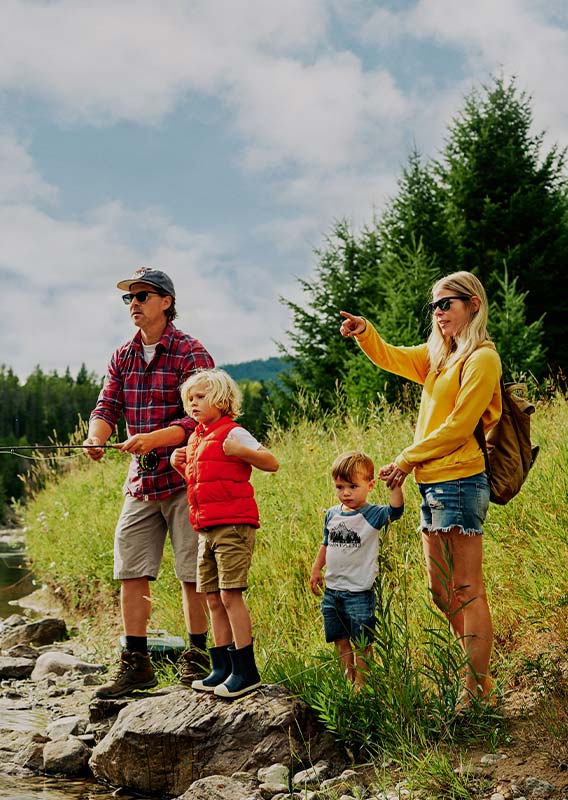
[480,438]
[479,433]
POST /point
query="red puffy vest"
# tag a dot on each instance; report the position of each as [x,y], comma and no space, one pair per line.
[219,491]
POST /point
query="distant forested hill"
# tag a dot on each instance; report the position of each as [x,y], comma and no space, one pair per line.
[261,369]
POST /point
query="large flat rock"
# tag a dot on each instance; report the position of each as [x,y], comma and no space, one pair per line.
[160,745]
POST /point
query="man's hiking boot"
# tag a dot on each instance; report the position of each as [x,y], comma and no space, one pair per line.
[194,664]
[134,671]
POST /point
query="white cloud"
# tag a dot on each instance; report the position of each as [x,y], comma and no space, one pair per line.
[61,306]
[109,61]
[513,37]
[115,59]
[325,113]
[274,26]
[21,181]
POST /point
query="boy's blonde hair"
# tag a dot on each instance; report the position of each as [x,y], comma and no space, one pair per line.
[348,465]
[221,391]
[443,353]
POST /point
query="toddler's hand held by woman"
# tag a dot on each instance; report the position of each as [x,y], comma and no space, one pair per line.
[392,475]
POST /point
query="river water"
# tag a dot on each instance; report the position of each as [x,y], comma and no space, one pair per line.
[15,583]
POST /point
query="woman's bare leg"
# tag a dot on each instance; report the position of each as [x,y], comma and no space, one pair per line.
[456,579]
[439,564]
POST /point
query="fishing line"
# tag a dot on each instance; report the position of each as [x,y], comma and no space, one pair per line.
[147,461]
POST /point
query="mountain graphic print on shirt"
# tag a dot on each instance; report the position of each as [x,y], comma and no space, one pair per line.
[342,536]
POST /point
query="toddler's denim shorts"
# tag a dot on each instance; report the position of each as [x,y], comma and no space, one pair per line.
[462,503]
[348,615]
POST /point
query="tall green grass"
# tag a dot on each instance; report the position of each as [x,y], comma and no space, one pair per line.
[415,678]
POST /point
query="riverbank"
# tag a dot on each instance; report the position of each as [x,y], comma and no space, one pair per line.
[526,758]
[27,708]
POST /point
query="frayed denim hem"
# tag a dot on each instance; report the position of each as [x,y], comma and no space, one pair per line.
[463,531]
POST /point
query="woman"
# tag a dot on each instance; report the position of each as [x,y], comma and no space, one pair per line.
[459,369]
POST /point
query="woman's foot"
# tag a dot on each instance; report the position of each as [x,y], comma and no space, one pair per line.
[484,692]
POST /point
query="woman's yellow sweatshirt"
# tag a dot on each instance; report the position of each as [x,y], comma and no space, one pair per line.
[452,403]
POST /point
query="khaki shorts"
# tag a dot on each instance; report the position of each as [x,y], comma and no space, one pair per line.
[140,536]
[224,557]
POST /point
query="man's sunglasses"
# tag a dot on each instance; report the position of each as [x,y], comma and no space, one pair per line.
[141,297]
[445,303]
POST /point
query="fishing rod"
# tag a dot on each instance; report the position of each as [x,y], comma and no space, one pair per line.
[148,461]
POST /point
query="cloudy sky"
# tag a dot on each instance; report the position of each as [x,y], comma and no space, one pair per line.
[219,140]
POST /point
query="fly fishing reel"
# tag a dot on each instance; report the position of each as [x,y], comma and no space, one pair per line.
[148,461]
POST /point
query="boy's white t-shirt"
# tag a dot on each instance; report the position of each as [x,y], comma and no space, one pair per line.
[245,438]
[352,541]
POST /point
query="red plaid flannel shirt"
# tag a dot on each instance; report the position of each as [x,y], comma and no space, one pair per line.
[147,395]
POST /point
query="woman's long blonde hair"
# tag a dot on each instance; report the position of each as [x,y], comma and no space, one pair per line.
[445,352]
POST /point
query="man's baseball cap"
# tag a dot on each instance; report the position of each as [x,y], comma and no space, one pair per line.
[155,277]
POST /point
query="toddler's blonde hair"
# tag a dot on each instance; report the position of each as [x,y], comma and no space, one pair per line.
[221,391]
[347,465]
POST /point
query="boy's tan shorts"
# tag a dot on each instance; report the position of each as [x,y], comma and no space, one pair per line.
[224,557]
[140,536]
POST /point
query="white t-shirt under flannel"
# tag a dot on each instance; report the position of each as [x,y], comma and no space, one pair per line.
[352,541]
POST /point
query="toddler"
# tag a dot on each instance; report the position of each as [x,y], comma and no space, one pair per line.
[349,554]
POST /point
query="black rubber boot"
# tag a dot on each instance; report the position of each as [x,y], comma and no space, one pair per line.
[220,669]
[244,676]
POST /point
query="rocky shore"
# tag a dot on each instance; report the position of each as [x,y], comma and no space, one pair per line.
[175,743]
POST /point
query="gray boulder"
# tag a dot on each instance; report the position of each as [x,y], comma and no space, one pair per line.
[58,663]
[62,727]
[312,776]
[31,754]
[43,631]
[66,757]
[217,787]
[11,622]
[273,779]
[163,744]
[17,668]
[23,651]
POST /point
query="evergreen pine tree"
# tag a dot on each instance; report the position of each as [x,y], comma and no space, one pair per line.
[520,345]
[416,216]
[507,201]
[345,278]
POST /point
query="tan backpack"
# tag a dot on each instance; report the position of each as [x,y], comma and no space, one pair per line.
[509,453]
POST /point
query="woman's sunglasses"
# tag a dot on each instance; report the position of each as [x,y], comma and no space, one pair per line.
[445,303]
[140,296]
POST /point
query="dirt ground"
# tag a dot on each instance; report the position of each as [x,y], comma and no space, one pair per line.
[535,745]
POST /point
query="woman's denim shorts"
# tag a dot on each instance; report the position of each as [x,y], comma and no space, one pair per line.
[462,504]
[348,615]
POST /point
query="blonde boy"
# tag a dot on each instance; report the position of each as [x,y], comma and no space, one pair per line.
[217,465]
[349,553]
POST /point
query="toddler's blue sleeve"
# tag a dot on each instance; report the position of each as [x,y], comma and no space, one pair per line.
[395,513]
[379,516]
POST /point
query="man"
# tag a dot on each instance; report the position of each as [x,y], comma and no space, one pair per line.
[142,385]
